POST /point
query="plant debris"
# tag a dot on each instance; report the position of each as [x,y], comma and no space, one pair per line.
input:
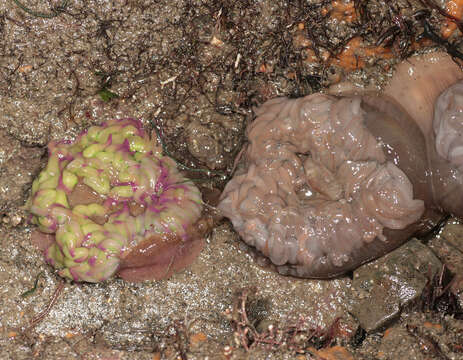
[34,288]
[105,79]
[38,319]
[297,336]
[437,295]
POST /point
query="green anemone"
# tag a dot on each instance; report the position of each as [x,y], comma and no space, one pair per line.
[118,166]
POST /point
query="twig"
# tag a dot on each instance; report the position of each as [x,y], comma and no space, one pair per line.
[46,311]
[73,97]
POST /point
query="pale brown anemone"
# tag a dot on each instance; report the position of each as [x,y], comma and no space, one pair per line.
[328,183]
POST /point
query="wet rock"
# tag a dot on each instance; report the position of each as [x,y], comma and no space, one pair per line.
[381,288]
[453,234]
[448,246]
[453,338]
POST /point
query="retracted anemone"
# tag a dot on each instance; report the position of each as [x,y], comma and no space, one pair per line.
[328,183]
[114,203]
[317,188]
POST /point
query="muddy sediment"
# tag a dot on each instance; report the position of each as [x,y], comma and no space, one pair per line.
[194,71]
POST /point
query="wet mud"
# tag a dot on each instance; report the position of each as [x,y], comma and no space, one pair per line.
[193,71]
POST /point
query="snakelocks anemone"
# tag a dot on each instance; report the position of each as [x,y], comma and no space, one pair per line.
[327,183]
[115,204]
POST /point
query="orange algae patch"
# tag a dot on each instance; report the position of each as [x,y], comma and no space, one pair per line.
[432,326]
[333,353]
[300,41]
[387,332]
[455,9]
[25,69]
[340,10]
[265,68]
[356,54]
[198,338]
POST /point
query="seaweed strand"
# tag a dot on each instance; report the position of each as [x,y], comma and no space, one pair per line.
[55,11]
[38,319]
[31,291]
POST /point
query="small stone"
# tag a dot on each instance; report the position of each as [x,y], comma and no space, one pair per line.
[16,219]
[382,287]
[12,220]
[216,41]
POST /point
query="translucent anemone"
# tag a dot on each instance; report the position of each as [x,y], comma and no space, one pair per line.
[104,195]
[328,183]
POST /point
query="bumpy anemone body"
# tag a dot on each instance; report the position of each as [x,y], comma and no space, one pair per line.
[113,202]
[328,183]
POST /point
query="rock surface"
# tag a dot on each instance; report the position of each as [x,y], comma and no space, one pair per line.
[383,287]
[448,246]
